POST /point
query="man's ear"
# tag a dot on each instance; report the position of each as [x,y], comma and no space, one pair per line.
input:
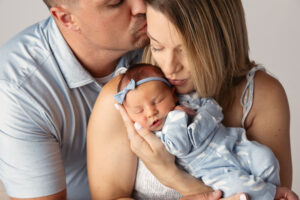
[64,17]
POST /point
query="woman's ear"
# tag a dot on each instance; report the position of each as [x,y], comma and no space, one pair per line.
[64,17]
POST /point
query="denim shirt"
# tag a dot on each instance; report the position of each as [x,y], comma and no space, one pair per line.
[46,98]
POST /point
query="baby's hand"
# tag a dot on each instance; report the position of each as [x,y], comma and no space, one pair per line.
[185,109]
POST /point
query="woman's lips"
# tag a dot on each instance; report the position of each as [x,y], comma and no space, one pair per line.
[177,82]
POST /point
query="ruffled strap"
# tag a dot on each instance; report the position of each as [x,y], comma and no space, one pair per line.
[247,96]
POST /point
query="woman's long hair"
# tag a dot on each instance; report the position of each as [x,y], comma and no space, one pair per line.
[214,36]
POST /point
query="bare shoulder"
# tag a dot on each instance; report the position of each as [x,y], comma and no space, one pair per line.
[109,89]
[104,112]
[268,88]
[269,101]
[268,121]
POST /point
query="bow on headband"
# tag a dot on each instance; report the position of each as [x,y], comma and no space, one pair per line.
[120,96]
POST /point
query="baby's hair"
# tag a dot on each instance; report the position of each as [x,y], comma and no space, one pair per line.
[138,72]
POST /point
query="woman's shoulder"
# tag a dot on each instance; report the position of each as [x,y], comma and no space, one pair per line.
[267,89]
[104,109]
[269,120]
[106,94]
[110,87]
[270,103]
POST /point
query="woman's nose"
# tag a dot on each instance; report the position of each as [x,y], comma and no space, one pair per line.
[171,65]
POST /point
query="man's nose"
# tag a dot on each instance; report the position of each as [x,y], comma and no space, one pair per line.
[138,7]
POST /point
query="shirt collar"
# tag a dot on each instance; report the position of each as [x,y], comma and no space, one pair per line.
[73,72]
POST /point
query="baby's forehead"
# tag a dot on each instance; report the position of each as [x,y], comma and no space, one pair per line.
[149,90]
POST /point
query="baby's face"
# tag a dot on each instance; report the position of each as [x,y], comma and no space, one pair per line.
[149,104]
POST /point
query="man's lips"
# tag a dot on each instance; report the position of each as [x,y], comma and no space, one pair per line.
[143,27]
[177,82]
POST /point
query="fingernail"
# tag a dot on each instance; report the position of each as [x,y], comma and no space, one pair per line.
[215,193]
[117,106]
[137,126]
[243,197]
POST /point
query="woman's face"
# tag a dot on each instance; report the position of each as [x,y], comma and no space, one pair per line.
[168,51]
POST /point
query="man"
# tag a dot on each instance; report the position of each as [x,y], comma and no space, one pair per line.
[51,74]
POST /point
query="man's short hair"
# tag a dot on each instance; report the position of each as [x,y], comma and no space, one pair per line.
[51,3]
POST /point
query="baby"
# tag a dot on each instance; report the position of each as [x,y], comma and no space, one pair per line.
[222,157]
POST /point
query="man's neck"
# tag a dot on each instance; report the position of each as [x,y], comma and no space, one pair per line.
[99,62]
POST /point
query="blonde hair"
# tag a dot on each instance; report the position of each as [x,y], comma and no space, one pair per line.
[215,38]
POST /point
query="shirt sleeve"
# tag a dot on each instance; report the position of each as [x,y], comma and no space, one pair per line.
[206,120]
[30,156]
[174,133]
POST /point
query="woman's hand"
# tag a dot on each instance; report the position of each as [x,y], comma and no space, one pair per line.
[284,193]
[214,195]
[150,150]
[161,163]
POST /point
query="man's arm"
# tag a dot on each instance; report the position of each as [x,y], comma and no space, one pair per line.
[59,196]
[30,157]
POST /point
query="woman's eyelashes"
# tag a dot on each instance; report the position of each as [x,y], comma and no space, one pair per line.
[115,3]
[155,49]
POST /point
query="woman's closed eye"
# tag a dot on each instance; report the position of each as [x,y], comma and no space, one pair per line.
[156,48]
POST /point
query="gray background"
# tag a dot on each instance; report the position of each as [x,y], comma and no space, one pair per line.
[274,35]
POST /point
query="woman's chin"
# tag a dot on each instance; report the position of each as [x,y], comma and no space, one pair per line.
[183,90]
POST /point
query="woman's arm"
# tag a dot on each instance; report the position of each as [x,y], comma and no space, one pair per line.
[159,161]
[110,161]
[269,122]
[162,165]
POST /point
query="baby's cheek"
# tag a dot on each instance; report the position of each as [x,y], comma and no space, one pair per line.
[144,124]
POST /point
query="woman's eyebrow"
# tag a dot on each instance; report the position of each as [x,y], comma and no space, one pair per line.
[152,37]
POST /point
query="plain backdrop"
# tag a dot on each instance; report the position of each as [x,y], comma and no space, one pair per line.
[274,36]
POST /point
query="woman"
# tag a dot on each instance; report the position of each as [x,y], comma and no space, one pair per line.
[202,46]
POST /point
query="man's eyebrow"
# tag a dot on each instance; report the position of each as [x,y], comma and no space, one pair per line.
[152,37]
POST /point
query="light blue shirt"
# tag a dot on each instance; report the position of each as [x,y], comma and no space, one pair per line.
[221,156]
[46,98]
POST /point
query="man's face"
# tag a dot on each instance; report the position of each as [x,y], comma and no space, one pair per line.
[112,24]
